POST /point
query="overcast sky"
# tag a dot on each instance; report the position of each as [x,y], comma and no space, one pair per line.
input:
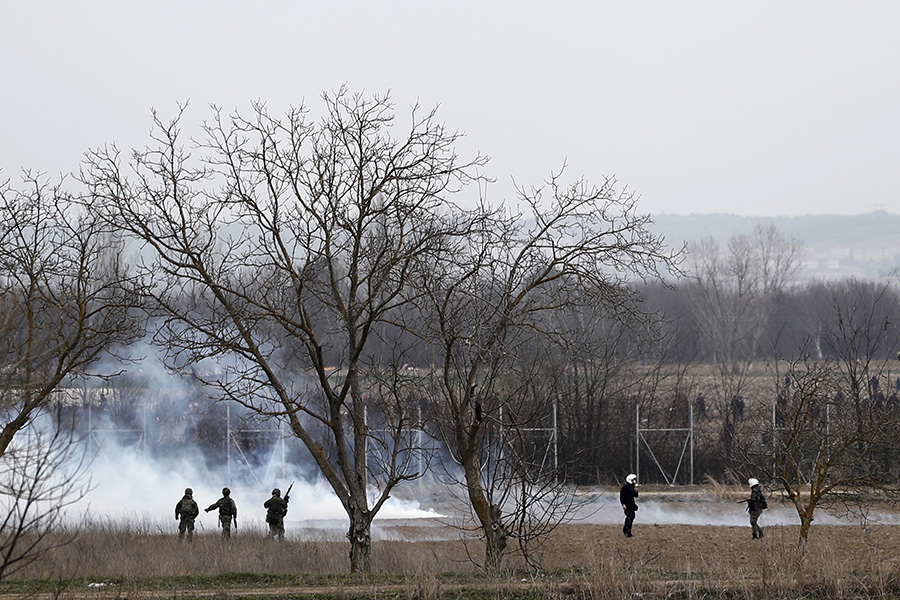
[763,109]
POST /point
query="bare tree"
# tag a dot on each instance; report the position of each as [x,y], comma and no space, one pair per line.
[64,302]
[525,483]
[731,292]
[293,242]
[42,473]
[607,366]
[495,300]
[64,305]
[597,387]
[831,439]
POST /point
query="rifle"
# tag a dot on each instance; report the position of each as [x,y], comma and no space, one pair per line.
[287,495]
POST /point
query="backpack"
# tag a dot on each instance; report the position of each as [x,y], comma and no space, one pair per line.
[185,509]
[757,501]
[231,508]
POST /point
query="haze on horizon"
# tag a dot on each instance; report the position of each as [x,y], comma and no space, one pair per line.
[762,109]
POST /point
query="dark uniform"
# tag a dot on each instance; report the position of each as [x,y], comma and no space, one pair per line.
[755,505]
[227,512]
[186,510]
[627,496]
[276,509]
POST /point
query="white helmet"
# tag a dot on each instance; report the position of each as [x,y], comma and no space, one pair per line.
[753,482]
[631,478]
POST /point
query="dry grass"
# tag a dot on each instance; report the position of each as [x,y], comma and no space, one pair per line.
[588,561]
[116,555]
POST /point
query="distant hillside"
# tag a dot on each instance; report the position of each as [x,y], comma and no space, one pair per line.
[836,246]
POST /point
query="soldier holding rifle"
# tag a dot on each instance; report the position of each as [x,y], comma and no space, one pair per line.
[276,509]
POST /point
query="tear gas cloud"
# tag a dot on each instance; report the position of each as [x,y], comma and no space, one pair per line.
[127,487]
[150,441]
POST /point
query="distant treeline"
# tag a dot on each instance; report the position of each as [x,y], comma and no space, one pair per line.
[664,362]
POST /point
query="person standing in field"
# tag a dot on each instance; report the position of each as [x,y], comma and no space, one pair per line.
[276,509]
[227,512]
[186,510]
[627,496]
[756,503]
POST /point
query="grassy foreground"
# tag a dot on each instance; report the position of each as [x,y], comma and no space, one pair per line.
[581,561]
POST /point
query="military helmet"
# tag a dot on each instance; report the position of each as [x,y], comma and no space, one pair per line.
[276,492]
[188,492]
[226,491]
[752,482]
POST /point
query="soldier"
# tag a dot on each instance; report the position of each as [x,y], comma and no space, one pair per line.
[627,496]
[756,503]
[276,509]
[186,510]
[227,512]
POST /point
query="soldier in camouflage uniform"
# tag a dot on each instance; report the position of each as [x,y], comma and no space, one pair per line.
[186,510]
[227,512]
[276,509]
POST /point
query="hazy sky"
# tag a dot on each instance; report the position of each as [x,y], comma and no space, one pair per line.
[764,108]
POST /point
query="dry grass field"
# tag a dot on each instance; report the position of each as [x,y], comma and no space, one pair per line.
[579,561]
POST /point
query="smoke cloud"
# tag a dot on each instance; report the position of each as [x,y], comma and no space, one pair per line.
[153,434]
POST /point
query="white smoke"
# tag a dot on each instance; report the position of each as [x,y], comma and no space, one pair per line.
[138,474]
[128,487]
[700,510]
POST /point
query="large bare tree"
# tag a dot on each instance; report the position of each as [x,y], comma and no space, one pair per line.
[494,307]
[282,252]
[64,306]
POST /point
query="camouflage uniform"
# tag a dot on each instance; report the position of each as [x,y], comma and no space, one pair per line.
[186,510]
[276,509]
[227,512]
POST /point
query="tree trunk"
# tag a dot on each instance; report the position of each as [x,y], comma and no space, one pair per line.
[360,542]
[806,519]
[489,517]
[497,538]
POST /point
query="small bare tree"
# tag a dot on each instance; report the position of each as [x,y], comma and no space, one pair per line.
[42,474]
[731,291]
[830,440]
[284,256]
